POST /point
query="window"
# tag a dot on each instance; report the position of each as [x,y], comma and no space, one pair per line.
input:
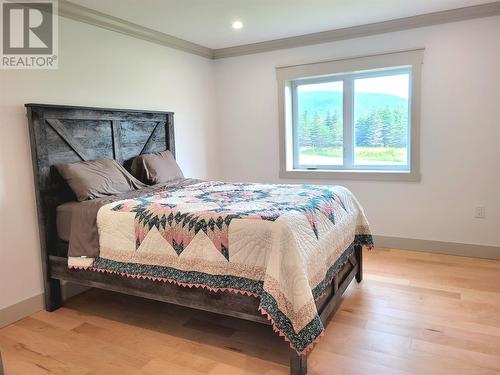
[360,120]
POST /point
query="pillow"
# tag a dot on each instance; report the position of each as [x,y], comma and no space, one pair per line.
[97,178]
[156,168]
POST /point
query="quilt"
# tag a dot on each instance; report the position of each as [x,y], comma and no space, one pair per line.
[280,243]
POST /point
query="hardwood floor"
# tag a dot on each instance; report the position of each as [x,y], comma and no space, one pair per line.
[417,313]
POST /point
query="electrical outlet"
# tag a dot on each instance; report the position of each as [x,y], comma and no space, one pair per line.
[480,212]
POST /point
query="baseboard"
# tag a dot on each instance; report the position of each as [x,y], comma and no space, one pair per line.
[13,313]
[448,248]
[22,309]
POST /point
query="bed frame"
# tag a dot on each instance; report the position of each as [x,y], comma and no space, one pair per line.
[62,134]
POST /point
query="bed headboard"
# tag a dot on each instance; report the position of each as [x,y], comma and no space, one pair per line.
[64,134]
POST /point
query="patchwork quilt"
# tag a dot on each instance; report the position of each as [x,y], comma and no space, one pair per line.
[280,243]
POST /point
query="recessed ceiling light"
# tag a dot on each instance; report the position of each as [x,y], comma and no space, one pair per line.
[237,25]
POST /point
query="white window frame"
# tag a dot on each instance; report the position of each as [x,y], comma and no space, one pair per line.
[347,70]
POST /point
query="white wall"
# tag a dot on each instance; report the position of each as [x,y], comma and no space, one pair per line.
[460,129]
[96,68]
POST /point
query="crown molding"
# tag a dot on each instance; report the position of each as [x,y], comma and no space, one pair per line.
[399,24]
[105,21]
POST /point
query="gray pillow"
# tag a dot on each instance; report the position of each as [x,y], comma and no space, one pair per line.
[97,178]
[156,168]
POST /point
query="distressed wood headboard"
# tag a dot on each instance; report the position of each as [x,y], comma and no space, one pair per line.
[65,134]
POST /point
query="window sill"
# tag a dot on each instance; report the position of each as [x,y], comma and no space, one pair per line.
[360,175]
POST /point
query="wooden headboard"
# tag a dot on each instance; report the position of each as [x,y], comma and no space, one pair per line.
[65,134]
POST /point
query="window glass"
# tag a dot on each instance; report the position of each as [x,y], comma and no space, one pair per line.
[319,124]
[381,107]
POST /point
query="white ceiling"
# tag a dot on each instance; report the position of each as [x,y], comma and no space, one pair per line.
[208,22]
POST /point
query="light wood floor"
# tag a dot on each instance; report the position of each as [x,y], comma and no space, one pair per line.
[414,313]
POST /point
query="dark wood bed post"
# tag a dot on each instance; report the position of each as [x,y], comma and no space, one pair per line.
[358,250]
[298,363]
[39,155]
[53,295]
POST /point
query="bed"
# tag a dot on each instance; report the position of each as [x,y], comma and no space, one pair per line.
[232,286]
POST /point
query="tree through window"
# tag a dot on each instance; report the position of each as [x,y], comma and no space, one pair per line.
[353,121]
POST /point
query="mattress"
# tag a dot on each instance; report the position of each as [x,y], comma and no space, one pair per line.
[63,219]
